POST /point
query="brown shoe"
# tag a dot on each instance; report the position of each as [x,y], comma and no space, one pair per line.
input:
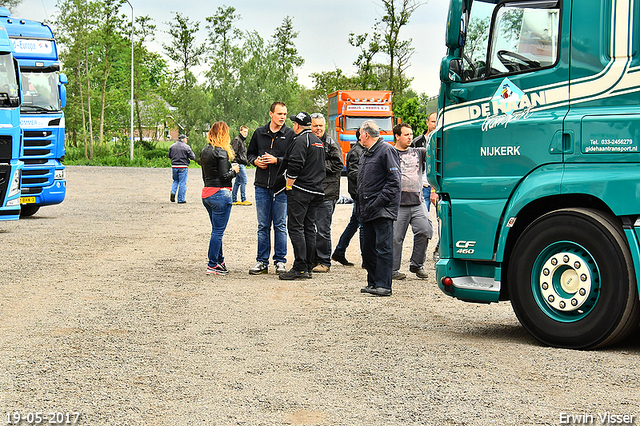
[321,268]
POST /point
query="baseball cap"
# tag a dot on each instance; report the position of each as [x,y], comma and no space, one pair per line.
[182,137]
[302,118]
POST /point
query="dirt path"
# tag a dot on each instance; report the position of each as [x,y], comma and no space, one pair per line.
[105,310]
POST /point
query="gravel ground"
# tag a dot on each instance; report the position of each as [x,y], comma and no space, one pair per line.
[105,310]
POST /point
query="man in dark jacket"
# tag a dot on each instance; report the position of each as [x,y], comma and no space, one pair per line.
[353,159]
[305,173]
[241,158]
[379,183]
[331,184]
[180,154]
[266,150]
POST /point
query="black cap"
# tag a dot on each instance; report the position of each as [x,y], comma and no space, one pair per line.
[302,118]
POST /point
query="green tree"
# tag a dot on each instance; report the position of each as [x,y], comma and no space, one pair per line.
[369,45]
[189,99]
[283,51]
[75,23]
[224,57]
[399,51]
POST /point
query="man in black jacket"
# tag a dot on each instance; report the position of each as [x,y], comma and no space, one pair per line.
[331,184]
[266,151]
[379,184]
[305,173]
[241,158]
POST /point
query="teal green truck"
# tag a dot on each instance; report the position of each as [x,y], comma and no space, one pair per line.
[536,158]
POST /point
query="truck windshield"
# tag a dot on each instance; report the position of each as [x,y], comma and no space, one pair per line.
[9,89]
[40,91]
[354,123]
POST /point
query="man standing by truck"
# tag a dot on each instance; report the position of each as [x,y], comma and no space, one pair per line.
[180,154]
[266,150]
[412,205]
[378,202]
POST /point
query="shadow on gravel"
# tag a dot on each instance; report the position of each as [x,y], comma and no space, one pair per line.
[510,333]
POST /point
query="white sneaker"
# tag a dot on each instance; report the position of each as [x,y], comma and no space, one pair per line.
[281,267]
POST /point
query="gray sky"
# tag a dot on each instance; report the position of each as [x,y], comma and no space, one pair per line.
[322,34]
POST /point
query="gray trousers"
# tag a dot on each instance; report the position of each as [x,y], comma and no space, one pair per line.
[418,218]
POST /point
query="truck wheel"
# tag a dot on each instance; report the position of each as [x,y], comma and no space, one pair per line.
[28,210]
[572,281]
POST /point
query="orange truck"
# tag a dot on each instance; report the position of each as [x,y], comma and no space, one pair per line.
[348,109]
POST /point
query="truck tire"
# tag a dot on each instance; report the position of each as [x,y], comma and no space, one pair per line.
[572,281]
[27,210]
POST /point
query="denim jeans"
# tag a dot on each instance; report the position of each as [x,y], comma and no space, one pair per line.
[219,208]
[349,231]
[323,232]
[179,186]
[271,209]
[241,181]
[426,194]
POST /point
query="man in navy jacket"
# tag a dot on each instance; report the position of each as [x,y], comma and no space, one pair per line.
[379,185]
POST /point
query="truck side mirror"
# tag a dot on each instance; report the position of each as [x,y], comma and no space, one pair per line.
[450,69]
[62,89]
[456,24]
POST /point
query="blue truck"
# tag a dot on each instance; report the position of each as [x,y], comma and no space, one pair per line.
[10,132]
[41,117]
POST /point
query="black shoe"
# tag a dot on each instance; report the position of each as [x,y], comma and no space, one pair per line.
[341,259]
[173,197]
[378,291]
[182,202]
[294,275]
[366,289]
[419,271]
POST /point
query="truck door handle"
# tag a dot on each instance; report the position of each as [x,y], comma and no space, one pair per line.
[562,142]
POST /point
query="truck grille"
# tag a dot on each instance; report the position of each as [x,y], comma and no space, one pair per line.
[36,177]
[5,148]
[37,147]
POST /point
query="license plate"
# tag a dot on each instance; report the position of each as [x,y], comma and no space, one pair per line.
[27,200]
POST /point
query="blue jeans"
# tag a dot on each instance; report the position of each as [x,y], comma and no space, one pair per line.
[426,194]
[349,231]
[271,210]
[179,186]
[241,182]
[219,208]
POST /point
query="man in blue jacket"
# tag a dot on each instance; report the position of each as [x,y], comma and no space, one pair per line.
[379,185]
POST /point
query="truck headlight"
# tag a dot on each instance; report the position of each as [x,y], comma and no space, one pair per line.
[59,174]
[15,184]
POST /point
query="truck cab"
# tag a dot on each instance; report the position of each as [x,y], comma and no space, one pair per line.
[10,132]
[42,119]
[536,158]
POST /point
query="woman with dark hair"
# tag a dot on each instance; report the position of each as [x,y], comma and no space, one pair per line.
[217,173]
